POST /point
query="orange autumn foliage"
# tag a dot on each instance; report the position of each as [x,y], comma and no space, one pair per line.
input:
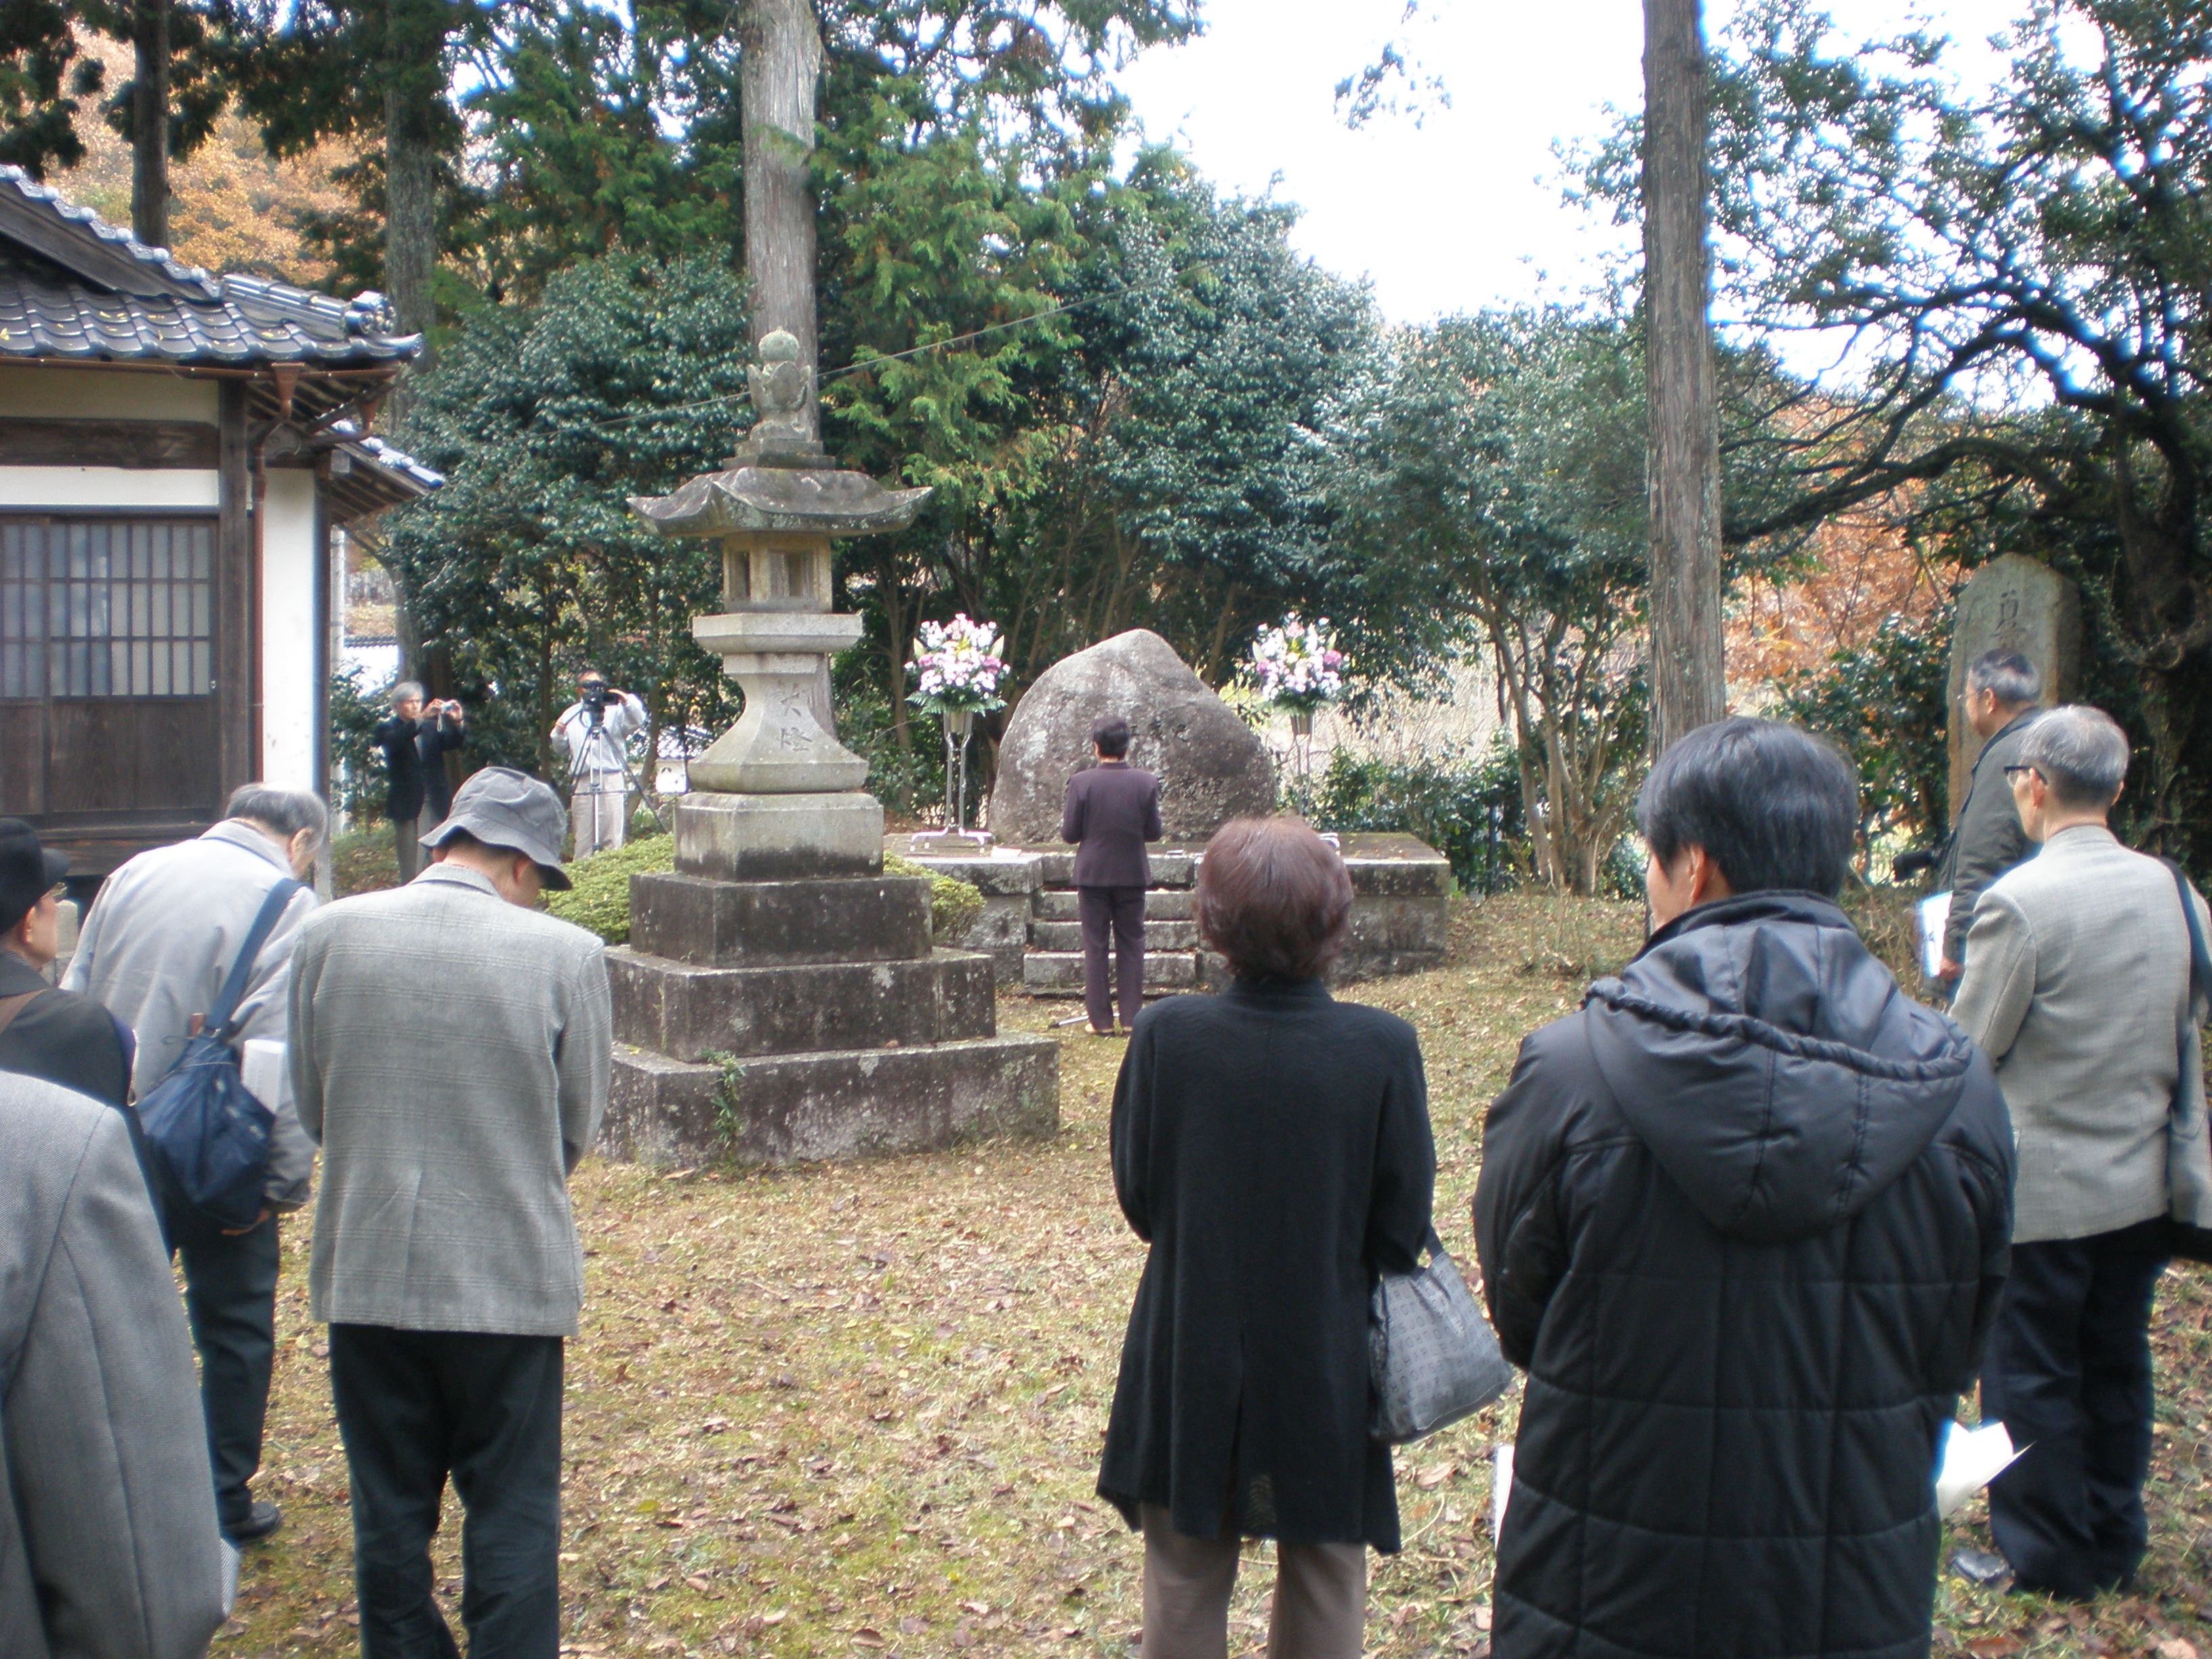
[1864,573]
[232,207]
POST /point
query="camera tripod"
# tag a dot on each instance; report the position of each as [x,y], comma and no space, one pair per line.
[595,721]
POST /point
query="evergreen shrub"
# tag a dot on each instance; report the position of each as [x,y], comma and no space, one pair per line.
[599,898]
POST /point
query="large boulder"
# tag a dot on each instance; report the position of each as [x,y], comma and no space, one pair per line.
[1211,766]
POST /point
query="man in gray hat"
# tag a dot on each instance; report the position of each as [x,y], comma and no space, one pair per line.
[445,1260]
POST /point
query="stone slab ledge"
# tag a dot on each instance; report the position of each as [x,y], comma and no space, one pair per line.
[797,1108]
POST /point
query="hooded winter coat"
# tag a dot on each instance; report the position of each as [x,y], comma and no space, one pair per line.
[1743,1219]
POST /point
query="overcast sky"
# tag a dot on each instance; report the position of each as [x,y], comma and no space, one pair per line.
[1463,210]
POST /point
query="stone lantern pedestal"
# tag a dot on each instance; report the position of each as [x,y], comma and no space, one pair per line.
[780,998]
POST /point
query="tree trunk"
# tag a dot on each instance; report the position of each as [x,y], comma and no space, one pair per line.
[782,63]
[149,123]
[1688,670]
[414,81]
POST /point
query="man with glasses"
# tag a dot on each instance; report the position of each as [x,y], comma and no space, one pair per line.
[2077,987]
[2000,703]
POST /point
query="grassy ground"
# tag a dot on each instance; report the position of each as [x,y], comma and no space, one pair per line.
[856,1409]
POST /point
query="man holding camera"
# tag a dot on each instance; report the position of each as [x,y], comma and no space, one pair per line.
[415,739]
[592,732]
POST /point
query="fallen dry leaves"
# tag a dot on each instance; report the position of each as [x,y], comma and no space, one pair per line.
[856,1409]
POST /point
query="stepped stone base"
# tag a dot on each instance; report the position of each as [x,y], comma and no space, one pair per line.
[790,1109]
[1008,879]
[1060,973]
[689,1012]
[1401,890]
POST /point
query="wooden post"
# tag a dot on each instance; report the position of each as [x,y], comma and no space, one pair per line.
[781,65]
[1688,667]
[236,671]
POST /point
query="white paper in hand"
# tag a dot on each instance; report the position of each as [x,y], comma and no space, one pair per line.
[1934,915]
[1501,1486]
[1970,1460]
[268,1079]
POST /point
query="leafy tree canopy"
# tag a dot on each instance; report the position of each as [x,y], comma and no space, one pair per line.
[2022,274]
[529,565]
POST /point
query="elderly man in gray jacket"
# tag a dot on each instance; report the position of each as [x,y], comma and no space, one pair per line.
[2077,986]
[156,950]
[108,1547]
[446,1258]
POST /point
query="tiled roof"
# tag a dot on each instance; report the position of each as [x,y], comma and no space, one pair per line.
[352,441]
[72,286]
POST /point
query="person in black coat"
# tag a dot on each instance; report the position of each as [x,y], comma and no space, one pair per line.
[1111,809]
[44,1032]
[1272,1146]
[414,740]
[1744,1219]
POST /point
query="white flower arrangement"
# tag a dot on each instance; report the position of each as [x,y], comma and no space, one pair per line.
[1297,664]
[957,667]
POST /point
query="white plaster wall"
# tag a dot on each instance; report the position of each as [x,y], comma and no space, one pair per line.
[97,488]
[105,393]
[289,629]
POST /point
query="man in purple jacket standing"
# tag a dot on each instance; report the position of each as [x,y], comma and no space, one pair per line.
[1112,809]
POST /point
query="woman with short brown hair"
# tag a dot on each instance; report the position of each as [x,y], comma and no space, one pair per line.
[1272,1145]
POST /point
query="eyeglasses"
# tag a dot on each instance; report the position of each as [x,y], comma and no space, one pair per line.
[2012,773]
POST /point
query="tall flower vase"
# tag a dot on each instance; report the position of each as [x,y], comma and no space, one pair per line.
[959,727]
[1301,742]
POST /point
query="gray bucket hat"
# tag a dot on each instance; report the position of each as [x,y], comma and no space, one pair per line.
[502,807]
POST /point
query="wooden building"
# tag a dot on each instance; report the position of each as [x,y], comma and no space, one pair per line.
[176,448]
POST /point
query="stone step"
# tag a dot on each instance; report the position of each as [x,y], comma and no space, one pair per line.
[1060,973]
[790,1109]
[1170,867]
[1160,904]
[1158,935]
[688,1013]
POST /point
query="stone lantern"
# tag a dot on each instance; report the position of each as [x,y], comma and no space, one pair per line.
[780,794]
[782,998]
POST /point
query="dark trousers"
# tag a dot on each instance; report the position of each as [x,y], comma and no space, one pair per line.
[415,1408]
[407,846]
[230,1297]
[1122,910]
[2069,1375]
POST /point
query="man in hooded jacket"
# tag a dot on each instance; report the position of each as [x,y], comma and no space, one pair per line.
[1743,1219]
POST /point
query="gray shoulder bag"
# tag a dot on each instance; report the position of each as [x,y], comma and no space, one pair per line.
[1432,1357]
[2188,1149]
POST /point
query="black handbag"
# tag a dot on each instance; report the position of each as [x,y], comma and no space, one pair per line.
[1432,1357]
[2189,1149]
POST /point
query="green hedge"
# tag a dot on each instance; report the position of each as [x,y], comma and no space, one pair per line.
[599,899]
[953,904]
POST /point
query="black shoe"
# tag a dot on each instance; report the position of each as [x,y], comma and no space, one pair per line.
[261,1520]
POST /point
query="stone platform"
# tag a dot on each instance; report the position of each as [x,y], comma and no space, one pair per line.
[777,1021]
[1401,890]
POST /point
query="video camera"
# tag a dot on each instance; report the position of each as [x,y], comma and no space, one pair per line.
[595,701]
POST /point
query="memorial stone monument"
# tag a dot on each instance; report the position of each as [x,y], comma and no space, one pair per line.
[2012,603]
[1211,766]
